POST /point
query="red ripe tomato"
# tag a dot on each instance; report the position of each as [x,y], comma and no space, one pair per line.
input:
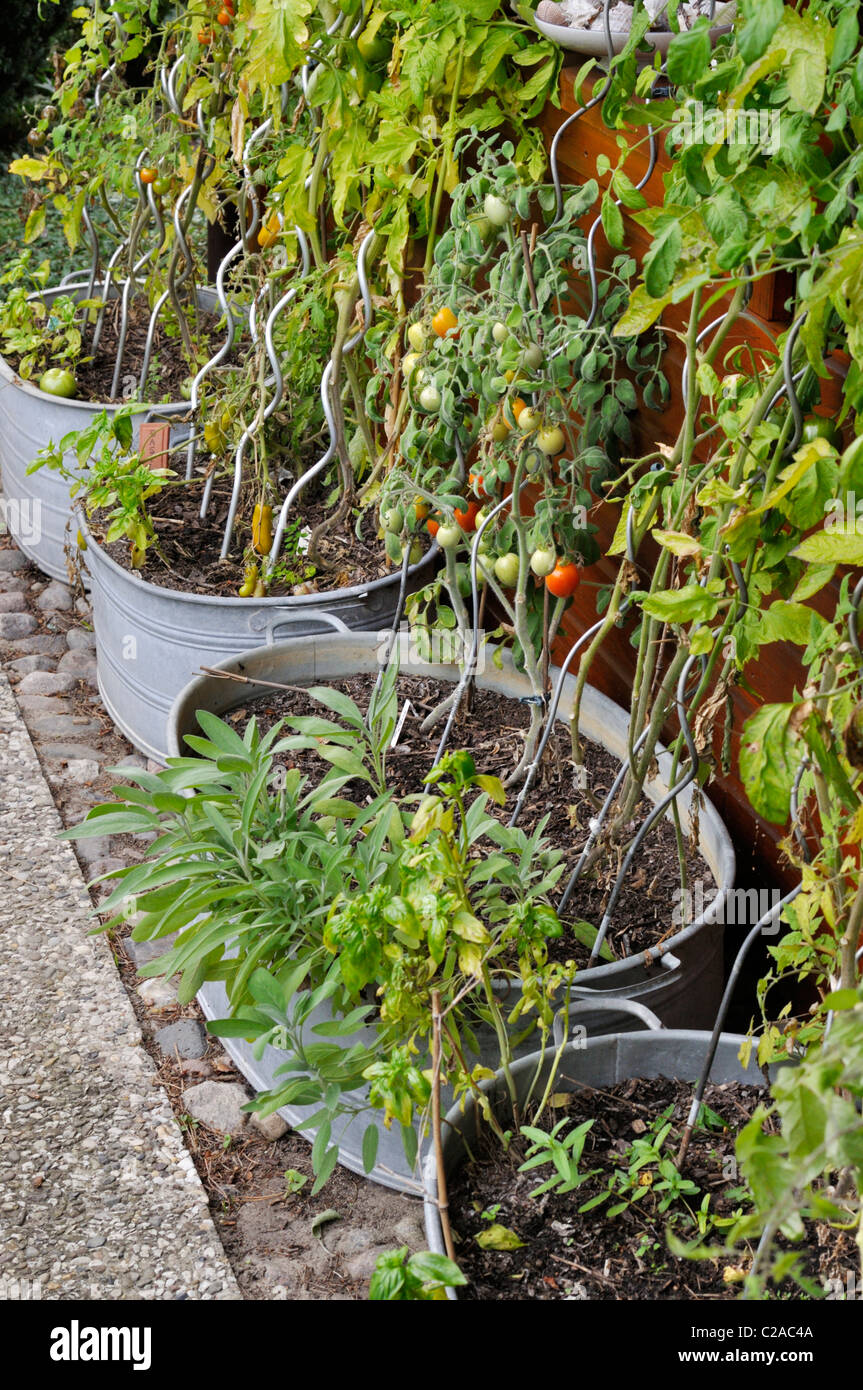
[224,17]
[563,580]
[467,518]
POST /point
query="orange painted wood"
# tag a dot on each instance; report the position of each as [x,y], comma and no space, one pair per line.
[154,441]
[778,671]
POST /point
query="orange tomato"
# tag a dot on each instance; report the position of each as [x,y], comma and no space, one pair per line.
[518,406]
[433,526]
[148,175]
[444,322]
[421,509]
[467,518]
[563,580]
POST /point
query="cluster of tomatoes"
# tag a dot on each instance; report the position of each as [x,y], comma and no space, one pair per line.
[225,10]
[561,577]
[158,182]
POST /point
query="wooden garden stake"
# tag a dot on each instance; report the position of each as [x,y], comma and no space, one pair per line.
[443,1204]
[545,644]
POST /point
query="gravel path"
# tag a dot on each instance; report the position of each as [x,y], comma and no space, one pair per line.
[99,1197]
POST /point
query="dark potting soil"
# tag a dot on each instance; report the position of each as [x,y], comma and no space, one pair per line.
[492,728]
[169,368]
[572,1254]
[190,548]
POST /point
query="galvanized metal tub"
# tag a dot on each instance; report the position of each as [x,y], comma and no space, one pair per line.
[681,982]
[150,642]
[38,506]
[600,1062]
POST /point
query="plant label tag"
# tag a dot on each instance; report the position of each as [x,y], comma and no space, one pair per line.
[397,732]
[154,440]
[303,540]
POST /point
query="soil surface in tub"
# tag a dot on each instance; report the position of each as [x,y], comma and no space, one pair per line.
[493,729]
[189,548]
[168,366]
[568,1253]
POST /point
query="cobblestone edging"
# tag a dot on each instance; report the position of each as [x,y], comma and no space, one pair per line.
[99,1197]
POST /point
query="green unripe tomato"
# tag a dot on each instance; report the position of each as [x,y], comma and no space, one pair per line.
[58,382]
[409,364]
[820,427]
[496,210]
[529,420]
[448,537]
[550,440]
[484,565]
[430,398]
[392,519]
[416,553]
[532,461]
[373,48]
[533,356]
[416,336]
[542,562]
[500,333]
[506,569]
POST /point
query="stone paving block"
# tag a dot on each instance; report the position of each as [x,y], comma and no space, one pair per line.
[119,1211]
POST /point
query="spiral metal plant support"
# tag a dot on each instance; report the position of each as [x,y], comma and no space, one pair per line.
[275,400]
[470,666]
[772,915]
[570,121]
[326,387]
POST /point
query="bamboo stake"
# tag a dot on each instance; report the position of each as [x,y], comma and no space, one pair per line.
[443,1204]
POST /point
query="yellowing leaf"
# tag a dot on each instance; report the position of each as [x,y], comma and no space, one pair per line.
[498,1237]
[494,787]
[831,548]
[35,224]
[469,959]
[642,311]
[28,168]
[678,543]
[279,40]
[469,928]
